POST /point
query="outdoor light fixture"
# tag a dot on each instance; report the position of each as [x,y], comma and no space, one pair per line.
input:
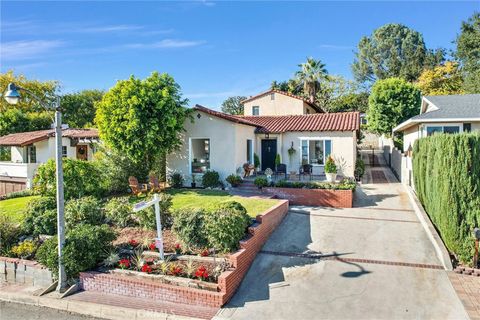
[267,135]
[12,96]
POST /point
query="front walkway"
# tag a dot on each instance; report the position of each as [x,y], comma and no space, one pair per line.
[373,261]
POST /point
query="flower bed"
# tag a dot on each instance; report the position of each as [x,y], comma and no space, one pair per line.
[162,287]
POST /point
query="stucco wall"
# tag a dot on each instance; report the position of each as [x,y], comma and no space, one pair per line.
[228,145]
[281,105]
[409,137]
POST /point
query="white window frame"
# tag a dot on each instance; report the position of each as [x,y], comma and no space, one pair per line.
[253,108]
[443,125]
[250,160]
[308,139]
[190,156]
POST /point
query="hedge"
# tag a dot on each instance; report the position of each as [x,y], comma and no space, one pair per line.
[447,181]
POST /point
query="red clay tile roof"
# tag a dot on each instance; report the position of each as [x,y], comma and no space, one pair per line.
[222,115]
[25,138]
[313,105]
[342,121]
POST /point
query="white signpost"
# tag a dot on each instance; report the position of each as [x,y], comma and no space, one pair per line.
[144,205]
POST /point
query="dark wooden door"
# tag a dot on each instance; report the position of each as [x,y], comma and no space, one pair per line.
[269,152]
[82,152]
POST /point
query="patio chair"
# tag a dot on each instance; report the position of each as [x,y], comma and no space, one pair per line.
[155,185]
[307,169]
[137,188]
[281,169]
[248,169]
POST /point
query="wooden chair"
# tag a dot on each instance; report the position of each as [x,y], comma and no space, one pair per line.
[137,188]
[307,169]
[155,185]
[281,169]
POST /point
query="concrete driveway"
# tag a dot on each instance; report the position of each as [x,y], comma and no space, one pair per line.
[373,261]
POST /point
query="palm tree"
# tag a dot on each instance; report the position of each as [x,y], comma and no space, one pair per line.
[311,73]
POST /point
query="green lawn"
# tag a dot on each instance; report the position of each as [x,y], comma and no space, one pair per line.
[208,199]
[15,207]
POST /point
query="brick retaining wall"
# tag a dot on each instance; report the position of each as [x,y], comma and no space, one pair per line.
[228,281]
[24,271]
[315,197]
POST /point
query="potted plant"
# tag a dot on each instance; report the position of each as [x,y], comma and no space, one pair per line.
[194,181]
[261,182]
[278,161]
[256,161]
[291,154]
[331,169]
[234,180]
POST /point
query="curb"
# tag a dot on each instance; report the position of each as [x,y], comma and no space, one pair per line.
[440,249]
[89,309]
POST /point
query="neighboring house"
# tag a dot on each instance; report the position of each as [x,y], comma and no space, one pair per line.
[224,142]
[446,114]
[30,149]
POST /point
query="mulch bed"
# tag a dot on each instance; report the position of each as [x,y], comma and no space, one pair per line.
[144,235]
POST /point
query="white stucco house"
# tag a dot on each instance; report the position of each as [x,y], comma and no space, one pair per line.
[445,114]
[273,122]
[30,149]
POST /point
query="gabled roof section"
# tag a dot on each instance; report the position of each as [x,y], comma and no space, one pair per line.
[311,104]
[342,121]
[224,116]
[22,139]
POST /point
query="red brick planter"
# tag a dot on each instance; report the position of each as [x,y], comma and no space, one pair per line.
[228,281]
[314,197]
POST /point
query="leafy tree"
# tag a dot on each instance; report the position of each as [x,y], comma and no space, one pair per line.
[350,102]
[142,118]
[391,102]
[45,90]
[468,52]
[233,105]
[311,73]
[292,86]
[443,79]
[79,108]
[334,94]
[393,50]
[14,120]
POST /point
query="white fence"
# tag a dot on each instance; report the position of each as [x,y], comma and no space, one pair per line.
[400,164]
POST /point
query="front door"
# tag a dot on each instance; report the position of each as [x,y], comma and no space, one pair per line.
[269,152]
[82,152]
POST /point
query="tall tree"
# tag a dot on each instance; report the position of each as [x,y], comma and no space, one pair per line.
[45,90]
[292,86]
[233,105]
[142,118]
[468,52]
[79,108]
[391,102]
[392,50]
[443,79]
[311,73]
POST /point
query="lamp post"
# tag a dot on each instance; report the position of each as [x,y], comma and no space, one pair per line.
[12,96]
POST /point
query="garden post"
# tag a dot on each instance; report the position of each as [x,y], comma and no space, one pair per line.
[159,242]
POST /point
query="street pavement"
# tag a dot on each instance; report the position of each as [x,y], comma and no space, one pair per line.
[17,311]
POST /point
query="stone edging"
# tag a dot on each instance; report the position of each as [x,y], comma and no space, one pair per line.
[440,249]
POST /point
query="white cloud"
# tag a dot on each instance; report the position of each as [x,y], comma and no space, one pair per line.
[17,50]
[166,44]
[111,28]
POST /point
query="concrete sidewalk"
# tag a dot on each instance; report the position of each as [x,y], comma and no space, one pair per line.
[373,261]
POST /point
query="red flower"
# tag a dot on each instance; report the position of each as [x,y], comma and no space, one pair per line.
[124,264]
[178,248]
[205,253]
[133,243]
[177,271]
[201,273]
[146,268]
[152,246]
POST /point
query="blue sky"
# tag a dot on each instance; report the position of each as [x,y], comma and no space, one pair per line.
[212,49]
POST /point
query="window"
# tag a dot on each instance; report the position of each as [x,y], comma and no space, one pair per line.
[255,110]
[64,151]
[5,153]
[467,127]
[272,96]
[249,151]
[200,155]
[315,151]
[32,154]
[442,129]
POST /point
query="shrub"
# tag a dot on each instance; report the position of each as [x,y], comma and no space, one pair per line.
[278,160]
[345,184]
[25,250]
[147,218]
[226,226]
[447,182]
[84,210]
[330,166]
[81,178]
[234,180]
[188,225]
[176,180]
[118,211]
[9,233]
[359,169]
[211,179]
[256,160]
[40,216]
[85,247]
[261,182]
[19,194]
